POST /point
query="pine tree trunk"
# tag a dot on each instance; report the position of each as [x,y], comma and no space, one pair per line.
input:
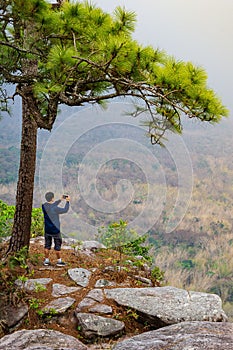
[24,198]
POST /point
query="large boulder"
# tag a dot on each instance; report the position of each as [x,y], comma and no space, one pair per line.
[183,336]
[40,339]
[162,306]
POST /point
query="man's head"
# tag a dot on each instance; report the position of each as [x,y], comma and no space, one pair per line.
[49,196]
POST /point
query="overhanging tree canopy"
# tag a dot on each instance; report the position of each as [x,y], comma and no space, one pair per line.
[74,53]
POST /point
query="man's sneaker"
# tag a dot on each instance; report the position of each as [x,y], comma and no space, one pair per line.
[61,263]
[46,263]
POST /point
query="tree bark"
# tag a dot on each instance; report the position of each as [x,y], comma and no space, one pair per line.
[24,198]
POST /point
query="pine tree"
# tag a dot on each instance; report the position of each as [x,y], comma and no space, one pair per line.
[75,54]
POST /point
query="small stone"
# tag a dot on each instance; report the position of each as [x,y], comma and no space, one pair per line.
[80,276]
[139,257]
[85,303]
[39,239]
[96,294]
[101,308]
[109,269]
[61,289]
[58,306]
[143,280]
[91,245]
[33,284]
[104,283]
[97,326]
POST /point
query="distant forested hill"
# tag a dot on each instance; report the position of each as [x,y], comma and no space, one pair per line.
[198,253]
[210,151]
[208,145]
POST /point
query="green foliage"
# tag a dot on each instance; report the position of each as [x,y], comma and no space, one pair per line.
[117,236]
[39,287]
[187,264]
[40,313]
[53,311]
[139,246]
[224,289]
[157,274]
[132,314]
[35,258]
[50,312]
[19,259]
[22,278]
[45,313]
[34,303]
[6,220]
[76,53]
[82,51]
[37,225]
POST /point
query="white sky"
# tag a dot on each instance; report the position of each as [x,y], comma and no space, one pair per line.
[200,31]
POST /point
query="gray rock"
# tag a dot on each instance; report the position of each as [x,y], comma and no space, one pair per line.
[61,289]
[67,247]
[80,276]
[33,284]
[96,294]
[45,347]
[70,241]
[91,245]
[5,239]
[11,315]
[101,308]
[59,305]
[40,339]
[109,269]
[116,268]
[161,306]
[85,303]
[93,326]
[139,257]
[39,240]
[183,336]
[143,280]
[104,283]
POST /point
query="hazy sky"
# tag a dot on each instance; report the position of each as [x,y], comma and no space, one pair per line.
[200,31]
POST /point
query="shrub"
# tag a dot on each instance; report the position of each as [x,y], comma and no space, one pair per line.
[37,226]
[119,237]
[157,274]
[7,216]
[6,219]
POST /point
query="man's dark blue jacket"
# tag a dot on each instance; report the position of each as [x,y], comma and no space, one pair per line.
[51,216]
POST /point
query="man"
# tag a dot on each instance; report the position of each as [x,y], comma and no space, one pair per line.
[51,212]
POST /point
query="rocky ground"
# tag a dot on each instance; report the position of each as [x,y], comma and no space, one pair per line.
[101,301]
[97,261]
